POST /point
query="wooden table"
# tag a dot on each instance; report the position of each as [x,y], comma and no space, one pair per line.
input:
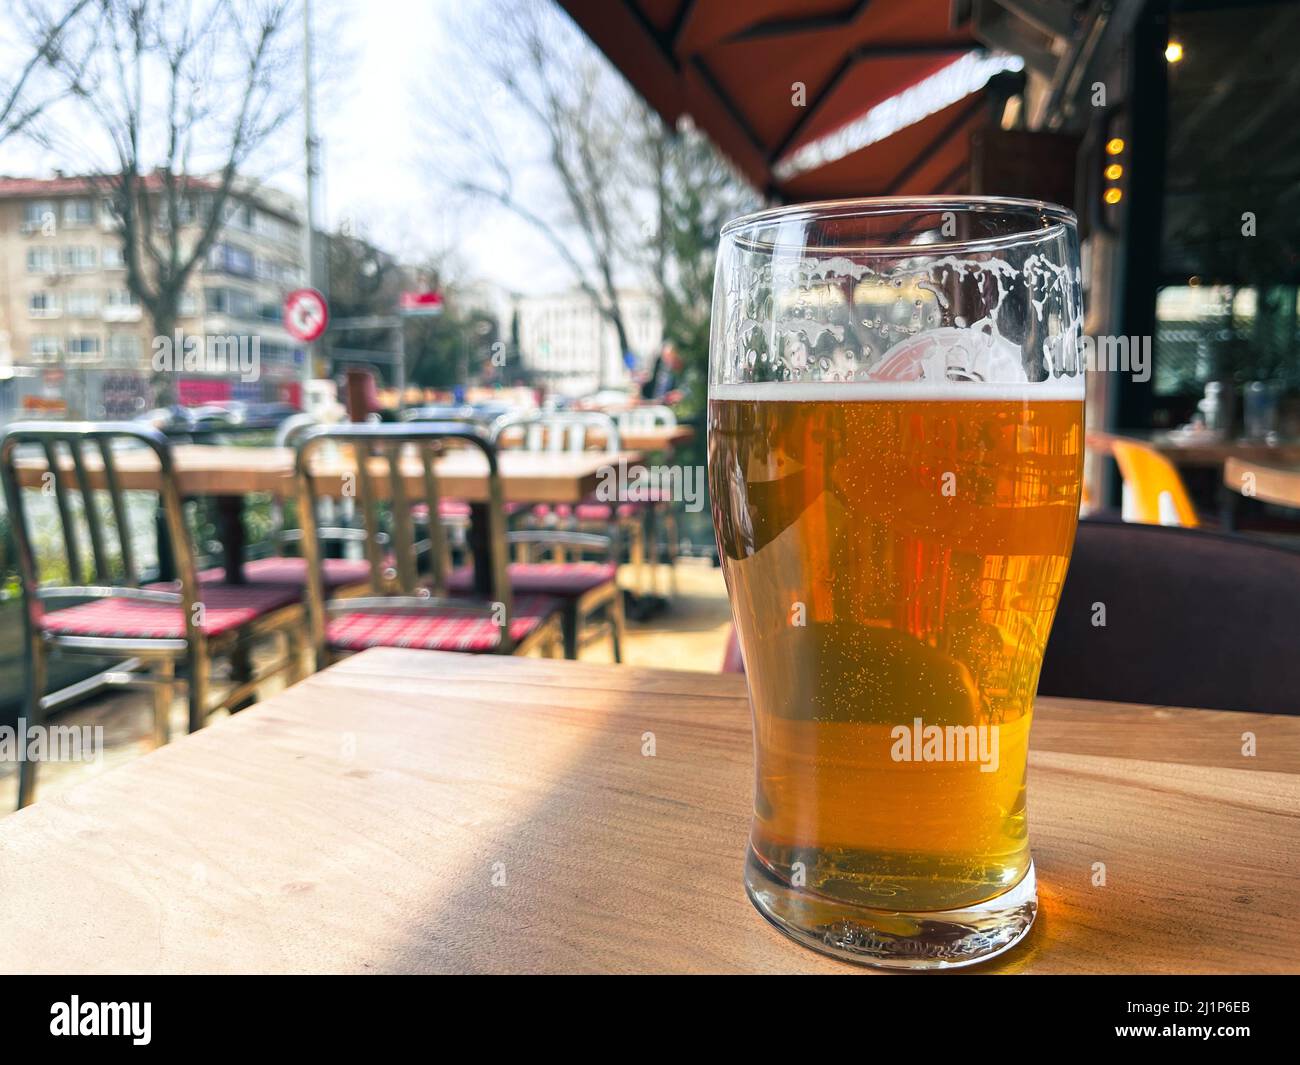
[661,439]
[1267,482]
[413,811]
[221,470]
[1190,451]
[228,474]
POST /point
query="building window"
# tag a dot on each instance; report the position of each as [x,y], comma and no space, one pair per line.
[267,225]
[231,259]
[111,257]
[239,261]
[240,215]
[42,260]
[80,258]
[83,349]
[124,347]
[188,305]
[82,303]
[108,215]
[43,305]
[44,348]
[39,215]
[121,306]
[78,213]
[231,302]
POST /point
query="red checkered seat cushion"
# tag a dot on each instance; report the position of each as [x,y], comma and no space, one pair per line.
[435,631]
[225,607]
[564,580]
[289,570]
[606,511]
[547,511]
[456,508]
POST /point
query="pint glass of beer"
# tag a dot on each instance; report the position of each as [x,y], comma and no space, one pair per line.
[895,455]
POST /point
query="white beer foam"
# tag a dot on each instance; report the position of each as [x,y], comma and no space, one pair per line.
[1062,388]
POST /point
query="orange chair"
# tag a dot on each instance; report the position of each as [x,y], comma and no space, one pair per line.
[1154,492]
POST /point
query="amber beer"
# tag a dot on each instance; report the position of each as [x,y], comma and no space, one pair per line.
[894,555]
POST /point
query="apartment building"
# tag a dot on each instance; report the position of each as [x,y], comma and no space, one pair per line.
[566,342]
[75,342]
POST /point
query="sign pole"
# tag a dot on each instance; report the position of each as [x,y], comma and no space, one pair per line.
[399,374]
[309,235]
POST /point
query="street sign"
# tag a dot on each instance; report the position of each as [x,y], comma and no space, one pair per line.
[414,304]
[305,314]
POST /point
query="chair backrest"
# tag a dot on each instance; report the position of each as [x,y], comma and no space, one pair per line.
[644,419]
[1155,492]
[289,430]
[397,464]
[462,413]
[81,459]
[1176,617]
[558,432]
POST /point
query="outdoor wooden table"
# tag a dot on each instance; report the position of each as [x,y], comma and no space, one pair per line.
[229,473]
[412,811]
[1267,482]
[1191,451]
[662,439]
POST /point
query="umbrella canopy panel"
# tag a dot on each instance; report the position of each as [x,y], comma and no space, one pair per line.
[767,79]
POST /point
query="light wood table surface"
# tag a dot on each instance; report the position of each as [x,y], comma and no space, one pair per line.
[1267,482]
[415,811]
[662,439]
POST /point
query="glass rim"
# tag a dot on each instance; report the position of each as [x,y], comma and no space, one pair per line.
[1055,215]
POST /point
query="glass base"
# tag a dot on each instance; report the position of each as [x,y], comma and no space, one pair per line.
[944,939]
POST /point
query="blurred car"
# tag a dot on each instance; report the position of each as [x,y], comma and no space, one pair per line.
[479,413]
[234,416]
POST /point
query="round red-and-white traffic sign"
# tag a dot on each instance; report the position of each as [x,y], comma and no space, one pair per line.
[305,314]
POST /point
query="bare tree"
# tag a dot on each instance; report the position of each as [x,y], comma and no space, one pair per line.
[43,36]
[544,101]
[183,94]
[694,192]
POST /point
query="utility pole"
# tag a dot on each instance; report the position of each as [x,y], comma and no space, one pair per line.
[309,226]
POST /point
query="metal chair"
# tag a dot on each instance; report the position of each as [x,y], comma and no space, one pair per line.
[455,513]
[405,607]
[647,419]
[294,426]
[282,565]
[573,432]
[150,625]
[634,519]
[592,599]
